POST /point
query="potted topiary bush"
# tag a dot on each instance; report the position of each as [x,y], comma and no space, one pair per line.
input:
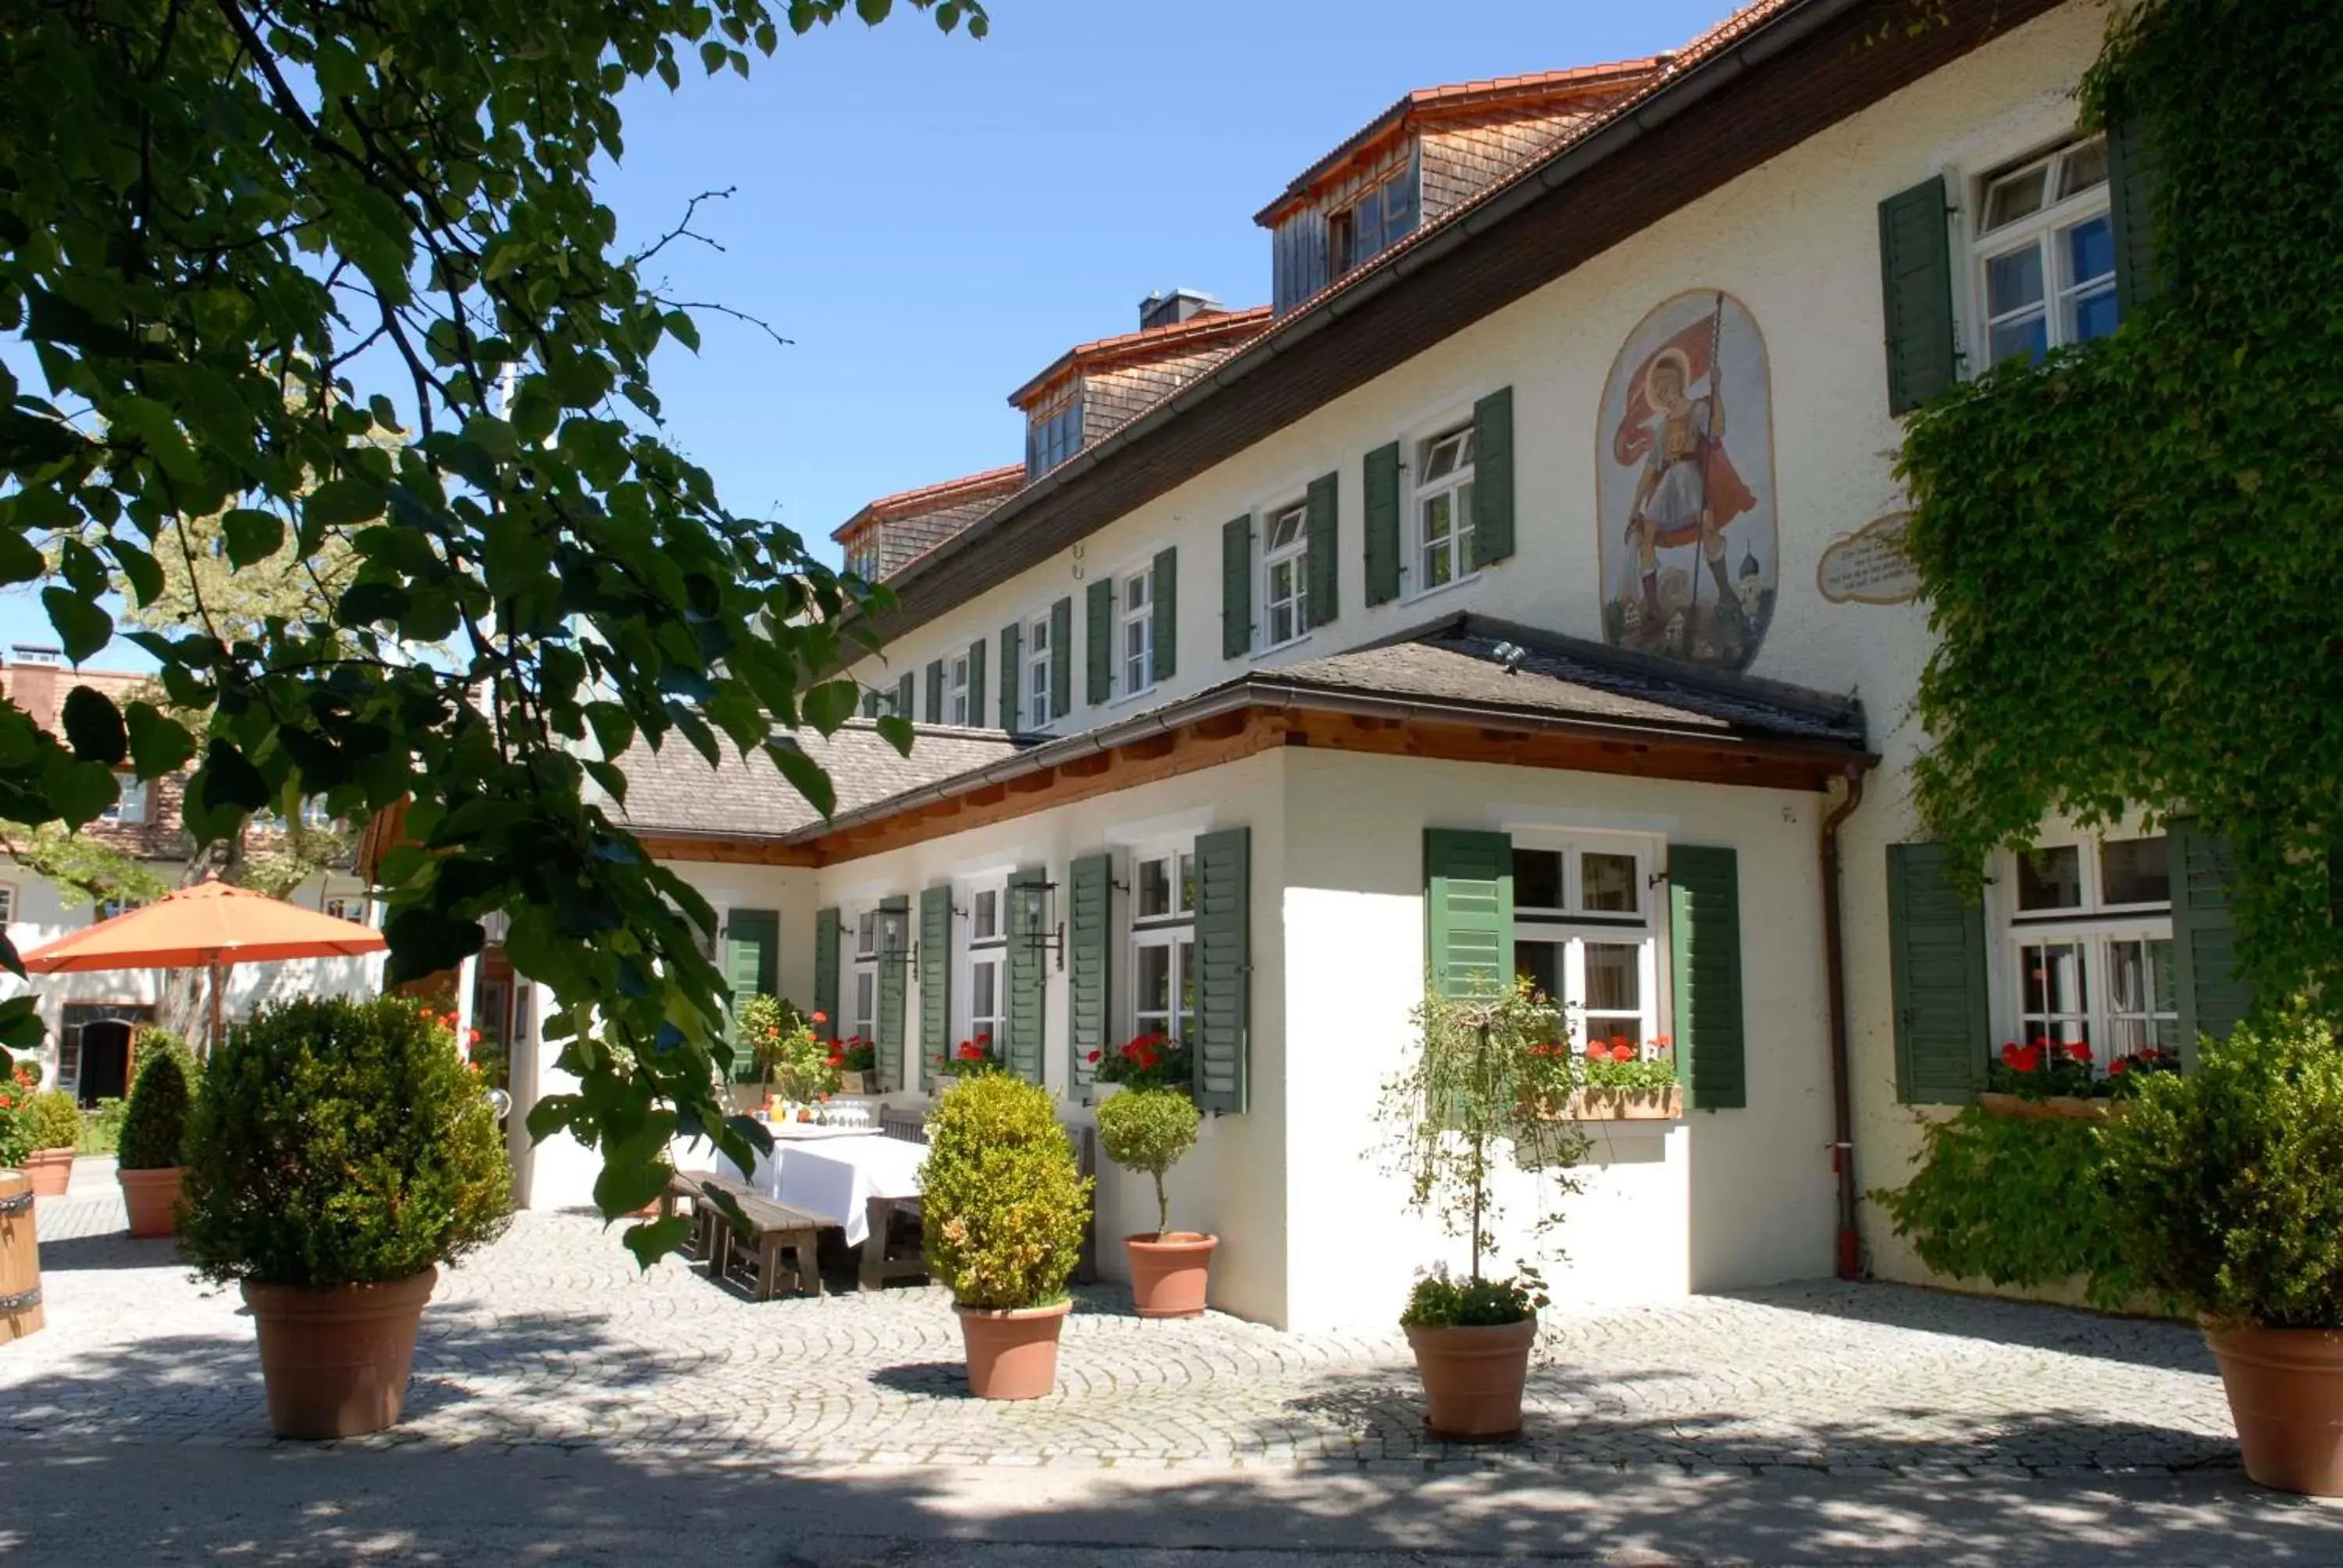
[155,1132]
[53,1126]
[1002,1206]
[1480,1070]
[2226,1196]
[339,1151]
[1149,1129]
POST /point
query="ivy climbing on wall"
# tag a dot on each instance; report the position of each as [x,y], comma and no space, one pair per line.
[2134,549]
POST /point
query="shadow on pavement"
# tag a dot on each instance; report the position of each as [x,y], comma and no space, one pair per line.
[2160,1342]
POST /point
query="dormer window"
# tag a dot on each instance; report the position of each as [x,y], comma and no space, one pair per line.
[863,557]
[1054,434]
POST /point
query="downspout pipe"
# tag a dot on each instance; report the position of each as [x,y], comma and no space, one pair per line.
[1850,1242]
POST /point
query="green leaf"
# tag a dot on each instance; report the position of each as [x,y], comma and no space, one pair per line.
[805,776]
[77,791]
[343,502]
[424,942]
[251,535]
[897,732]
[158,745]
[655,1239]
[94,727]
[82,628]
[831,704]
[19,561]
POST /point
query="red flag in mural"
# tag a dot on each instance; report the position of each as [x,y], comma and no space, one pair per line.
[1639,428]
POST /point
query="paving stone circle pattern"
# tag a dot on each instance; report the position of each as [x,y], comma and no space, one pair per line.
[551,1337]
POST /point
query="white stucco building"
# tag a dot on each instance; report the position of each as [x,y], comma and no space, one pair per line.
[1520,591]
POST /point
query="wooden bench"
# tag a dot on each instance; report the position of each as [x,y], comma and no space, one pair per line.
[685,1187]
[771,1228]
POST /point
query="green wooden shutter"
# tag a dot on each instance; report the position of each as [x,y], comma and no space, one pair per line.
[1915,284]
[1012,663]
[828,928]
[935,691]
[752,967]
[976,651]
[1062,658]
[1325,523]
[1935,940]
[2131,203]
[1163,582]
[1468,910]
[1236,587]
[935,978]
[1381,524]
[871,700]
[1705,926]
[1023,1020]
[1098,643]
[1493,478]
[2214,998]
[1090,962]
[1224,969]
[903,695]
[894,917]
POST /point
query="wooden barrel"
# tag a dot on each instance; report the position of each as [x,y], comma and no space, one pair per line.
[20,1260]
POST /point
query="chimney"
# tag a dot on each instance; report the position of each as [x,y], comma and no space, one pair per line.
[1179,304]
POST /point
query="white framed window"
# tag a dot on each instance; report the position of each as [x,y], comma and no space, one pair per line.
[352,907]
[985,964]
[1053,436]
[2086,946]
[1038,651]
[1286,575]
[1135,632]
[1585,934]
[7,903]
[956,690]
[106,909]
[864,1015]
[2045,253]
[862,556]
[1442,548]
[130,800]
[1164,941]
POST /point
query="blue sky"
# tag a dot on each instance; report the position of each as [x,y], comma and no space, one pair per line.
[931,219]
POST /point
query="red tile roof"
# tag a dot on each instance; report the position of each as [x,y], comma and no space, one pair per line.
[994,483]
[1539,91]
[1226,328]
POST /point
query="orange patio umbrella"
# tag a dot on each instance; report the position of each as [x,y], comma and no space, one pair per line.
[209,927]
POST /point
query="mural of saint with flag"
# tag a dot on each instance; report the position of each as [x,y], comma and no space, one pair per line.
[1689,545]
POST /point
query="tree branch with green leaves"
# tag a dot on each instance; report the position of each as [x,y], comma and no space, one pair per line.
[275,262]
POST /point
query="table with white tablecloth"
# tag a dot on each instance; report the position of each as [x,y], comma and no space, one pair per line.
[836,1177]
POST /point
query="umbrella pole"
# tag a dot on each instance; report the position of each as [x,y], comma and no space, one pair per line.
[215,1006]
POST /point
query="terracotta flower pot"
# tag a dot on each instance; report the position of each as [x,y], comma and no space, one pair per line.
[2286,1395]
[335,1360]
[1170,1271]
[151,1196]
[51,1171]
[1473,1379]
[1012,1354]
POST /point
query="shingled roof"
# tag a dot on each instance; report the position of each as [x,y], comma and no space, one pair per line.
[673,791]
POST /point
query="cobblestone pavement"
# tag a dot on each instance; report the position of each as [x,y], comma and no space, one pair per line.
[552,1341]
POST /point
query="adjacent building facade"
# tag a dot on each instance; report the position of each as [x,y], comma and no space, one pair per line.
[88,1019]
[1520,592]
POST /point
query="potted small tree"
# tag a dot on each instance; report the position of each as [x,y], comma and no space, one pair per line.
[53,1126]
[2226,1188]
[1149,1129]
[338,1153]
[155,1132]
[1002,1206]
[1474,1085]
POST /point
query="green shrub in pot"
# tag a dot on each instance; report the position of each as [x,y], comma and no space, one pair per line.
[154,1125]
[2226,1192]
[54,1120]
[340,1142]
[1001,1201]
[1148,1129]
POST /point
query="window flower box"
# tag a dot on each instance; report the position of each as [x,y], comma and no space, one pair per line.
[1625,1104]
[2051,1108]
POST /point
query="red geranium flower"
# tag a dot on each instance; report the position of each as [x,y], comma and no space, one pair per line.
[1663,1042]
[2009,1053]
[820,1017]
[2029,1060]
[2120,1065]
[1094,1056]
[970,1051]
[1595,1050]
[1622,1051]
[2079,1050]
